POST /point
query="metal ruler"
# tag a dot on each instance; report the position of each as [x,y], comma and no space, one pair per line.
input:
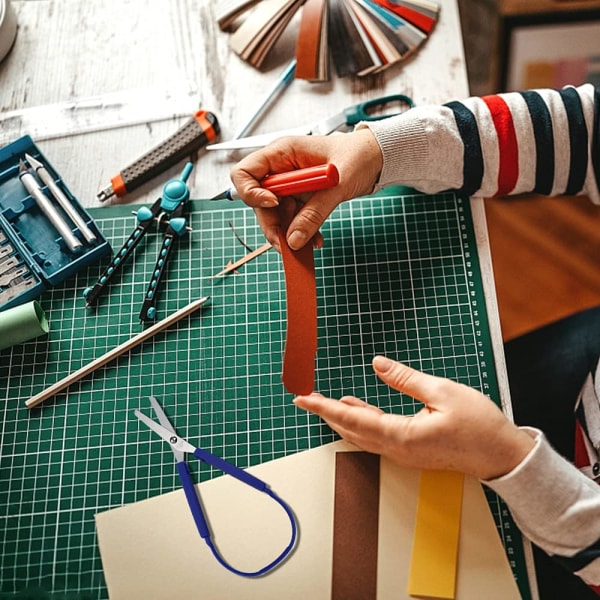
[97,113]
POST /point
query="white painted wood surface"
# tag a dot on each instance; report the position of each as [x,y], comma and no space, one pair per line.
[70,49]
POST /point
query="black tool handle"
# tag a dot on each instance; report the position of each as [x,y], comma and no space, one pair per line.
[175,230]
[146,218]
[196,133]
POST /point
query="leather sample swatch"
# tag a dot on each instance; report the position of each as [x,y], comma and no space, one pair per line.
[312,60]
[359,37]
[258,33]
[348,52]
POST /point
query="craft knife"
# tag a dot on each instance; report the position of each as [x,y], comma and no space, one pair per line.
[33,188]
[300,181]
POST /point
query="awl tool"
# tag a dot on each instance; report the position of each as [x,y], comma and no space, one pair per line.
[196,133]
[301,181]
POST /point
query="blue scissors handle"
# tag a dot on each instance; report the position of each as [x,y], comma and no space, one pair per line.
[192,499]
[180,448]
[230,469]
[202,523]
[364,110]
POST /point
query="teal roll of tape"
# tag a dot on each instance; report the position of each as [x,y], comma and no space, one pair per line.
[22,323]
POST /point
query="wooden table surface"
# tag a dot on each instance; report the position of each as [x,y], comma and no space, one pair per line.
[71,49]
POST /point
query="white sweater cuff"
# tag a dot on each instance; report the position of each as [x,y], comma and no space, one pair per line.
[421,148]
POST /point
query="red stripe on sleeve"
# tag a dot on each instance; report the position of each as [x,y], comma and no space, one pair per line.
[508,169]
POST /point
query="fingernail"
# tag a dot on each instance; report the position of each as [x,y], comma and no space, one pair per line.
[269,203]
[382,363]
[297,239]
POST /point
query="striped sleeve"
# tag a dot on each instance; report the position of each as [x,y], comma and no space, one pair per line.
[556,507]
[544,141]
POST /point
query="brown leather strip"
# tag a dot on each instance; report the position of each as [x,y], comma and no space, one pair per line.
[355,526]
[308,42]
[301,340]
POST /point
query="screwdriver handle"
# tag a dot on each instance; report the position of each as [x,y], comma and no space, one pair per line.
[300,181]
[196,133]
[310,179]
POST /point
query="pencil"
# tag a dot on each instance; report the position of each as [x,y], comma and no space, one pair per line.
[115,352]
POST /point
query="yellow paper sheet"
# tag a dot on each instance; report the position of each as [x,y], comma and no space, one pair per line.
[435,542]
[151,549]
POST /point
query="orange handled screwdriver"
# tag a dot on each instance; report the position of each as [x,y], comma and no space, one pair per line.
[311,179]
[196,133]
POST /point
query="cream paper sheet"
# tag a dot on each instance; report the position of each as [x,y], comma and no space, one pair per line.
[151,550]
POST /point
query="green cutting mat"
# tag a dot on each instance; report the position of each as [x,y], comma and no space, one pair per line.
[398,275]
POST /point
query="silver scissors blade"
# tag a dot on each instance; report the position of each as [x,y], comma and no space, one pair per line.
[258,141]
[179,446]
[160,413]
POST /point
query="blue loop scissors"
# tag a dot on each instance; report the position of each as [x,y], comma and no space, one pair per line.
[371,110]
[180,448]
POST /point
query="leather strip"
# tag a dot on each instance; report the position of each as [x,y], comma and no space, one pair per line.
[355,526]
[301,339]
[308,43]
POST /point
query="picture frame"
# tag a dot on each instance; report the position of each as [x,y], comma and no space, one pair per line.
[539,50]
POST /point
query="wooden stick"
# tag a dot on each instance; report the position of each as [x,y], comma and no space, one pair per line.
[115,352]
[242,261]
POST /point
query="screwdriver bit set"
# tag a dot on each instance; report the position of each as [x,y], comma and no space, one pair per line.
[46,236]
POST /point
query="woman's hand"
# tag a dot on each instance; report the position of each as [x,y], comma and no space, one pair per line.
[356,155]
[458,429]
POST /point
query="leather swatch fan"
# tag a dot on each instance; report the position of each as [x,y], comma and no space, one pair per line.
[358,37]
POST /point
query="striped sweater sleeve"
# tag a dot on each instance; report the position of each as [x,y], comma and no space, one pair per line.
[544,141]
[556,506]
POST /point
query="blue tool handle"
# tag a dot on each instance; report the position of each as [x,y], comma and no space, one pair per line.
[146,217]
[230,469]
[193,500]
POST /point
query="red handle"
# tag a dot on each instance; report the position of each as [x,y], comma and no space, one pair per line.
[311,179]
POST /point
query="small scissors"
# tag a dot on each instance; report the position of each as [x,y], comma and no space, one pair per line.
[180,448]
[371,110]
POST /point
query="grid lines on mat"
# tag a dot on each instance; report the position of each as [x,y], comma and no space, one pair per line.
[398,275]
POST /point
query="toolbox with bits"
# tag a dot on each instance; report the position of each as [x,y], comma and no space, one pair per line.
[46,236]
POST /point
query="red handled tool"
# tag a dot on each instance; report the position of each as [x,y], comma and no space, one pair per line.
[311,179]
[196,133]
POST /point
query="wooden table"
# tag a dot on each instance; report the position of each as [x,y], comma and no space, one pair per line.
[71,50]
